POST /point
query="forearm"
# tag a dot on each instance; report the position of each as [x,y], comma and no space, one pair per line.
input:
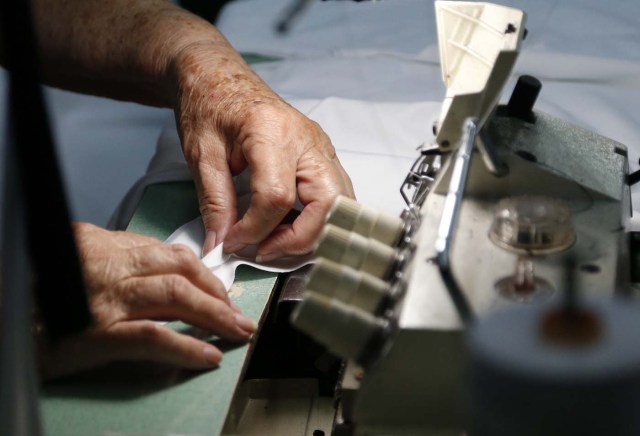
[125,49]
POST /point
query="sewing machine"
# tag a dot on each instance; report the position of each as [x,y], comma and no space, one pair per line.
[510,210]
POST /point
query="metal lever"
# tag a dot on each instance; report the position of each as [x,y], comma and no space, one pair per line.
[446,230]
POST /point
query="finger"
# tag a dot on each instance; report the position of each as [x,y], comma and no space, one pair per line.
[320,181]
[176,259]
[151,341]
[273,187]
[295,239]
[330,155]
[172,297]
[217,198]
[346,180]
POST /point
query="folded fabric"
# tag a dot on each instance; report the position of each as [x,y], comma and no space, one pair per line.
[224,265]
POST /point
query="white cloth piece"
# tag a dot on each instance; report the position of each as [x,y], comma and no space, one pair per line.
[377,179]
[224,265]
[380,78]
[335,27]
[590,28]
[373,128]
[407,28]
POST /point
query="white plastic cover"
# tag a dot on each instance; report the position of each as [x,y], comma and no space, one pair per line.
[479,44]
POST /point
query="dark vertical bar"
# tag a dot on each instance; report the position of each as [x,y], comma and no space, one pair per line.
[52,251]
[19,414]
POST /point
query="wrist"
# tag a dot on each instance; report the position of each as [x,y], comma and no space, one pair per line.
[168,38]
[213,85]
[215,67]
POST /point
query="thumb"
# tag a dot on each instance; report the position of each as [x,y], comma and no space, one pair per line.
[217,199]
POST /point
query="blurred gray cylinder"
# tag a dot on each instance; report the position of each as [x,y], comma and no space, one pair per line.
[523,385]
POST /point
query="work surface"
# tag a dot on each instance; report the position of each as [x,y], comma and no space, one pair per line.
[147,399]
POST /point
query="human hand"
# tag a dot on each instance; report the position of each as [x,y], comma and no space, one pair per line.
[154,52]
[229,119]
[131,280]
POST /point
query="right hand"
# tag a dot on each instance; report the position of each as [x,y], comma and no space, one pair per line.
[230,120]
[132,280]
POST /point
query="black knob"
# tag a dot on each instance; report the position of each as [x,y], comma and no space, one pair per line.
[524,98]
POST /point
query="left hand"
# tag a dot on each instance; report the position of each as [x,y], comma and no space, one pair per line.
[131,280]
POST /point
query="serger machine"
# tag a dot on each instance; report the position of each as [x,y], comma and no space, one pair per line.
[489,306]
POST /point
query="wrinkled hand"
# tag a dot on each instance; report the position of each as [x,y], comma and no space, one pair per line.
[229,119]
[131,280]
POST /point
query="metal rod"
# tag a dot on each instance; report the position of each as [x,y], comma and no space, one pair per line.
[450,212]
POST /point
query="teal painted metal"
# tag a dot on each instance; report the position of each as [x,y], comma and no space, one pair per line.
[145,399]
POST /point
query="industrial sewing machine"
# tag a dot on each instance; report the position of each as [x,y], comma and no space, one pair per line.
[473,310]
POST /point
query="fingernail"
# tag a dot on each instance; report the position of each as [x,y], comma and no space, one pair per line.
[212,355]
[209,242]
[233,248]
[268,257]
[246,324]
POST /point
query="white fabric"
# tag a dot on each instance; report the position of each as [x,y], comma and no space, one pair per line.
[368,73]
[224,265]
[407,28]
[337,28]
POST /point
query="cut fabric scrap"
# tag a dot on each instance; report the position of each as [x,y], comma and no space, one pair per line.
[224,265]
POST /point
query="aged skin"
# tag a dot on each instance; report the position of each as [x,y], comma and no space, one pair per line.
[152,52]
[132,280]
